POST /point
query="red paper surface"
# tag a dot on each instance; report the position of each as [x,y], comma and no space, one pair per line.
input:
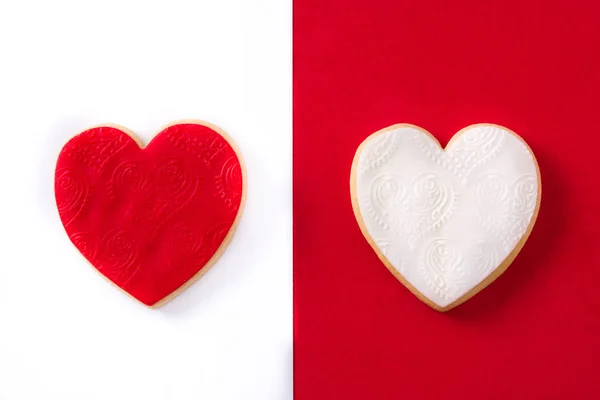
[148,219]
[532,66]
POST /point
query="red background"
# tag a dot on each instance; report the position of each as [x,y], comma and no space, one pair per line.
[532,66]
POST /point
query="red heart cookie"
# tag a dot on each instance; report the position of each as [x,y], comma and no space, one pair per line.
[152,220]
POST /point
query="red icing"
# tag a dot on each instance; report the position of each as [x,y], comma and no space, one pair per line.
[148,219]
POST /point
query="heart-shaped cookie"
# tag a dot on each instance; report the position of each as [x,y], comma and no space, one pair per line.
[152,220]
[445,222]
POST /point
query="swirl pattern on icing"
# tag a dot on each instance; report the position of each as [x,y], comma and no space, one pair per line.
[175,187]
[206,148]
[218,233]
[382,148]
[442,266]
[475,147]
[505,208]
[387,194]
[117,260]
[100,146]
[228,179]
[446,219]
[410,209]
[75,189]
[525,195]
[87,244]
[128,176]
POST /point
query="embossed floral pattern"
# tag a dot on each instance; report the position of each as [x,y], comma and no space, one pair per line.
[149,219]
[445,220]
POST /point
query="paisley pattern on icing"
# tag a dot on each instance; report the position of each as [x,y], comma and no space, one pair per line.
[229,177]
[505,208]
[476,147]
[87,244]
[129,176]
[472,149]
[206,148]
[188,247]
[525,195]
[382,148]
[175,187]
[433,201]
[218,233]
[149,219]
[76,190]
[118,257]
[446,219]
[386,195]
[100,146]
[413,207]
[442,267]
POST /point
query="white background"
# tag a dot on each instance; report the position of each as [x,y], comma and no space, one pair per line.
[65,333]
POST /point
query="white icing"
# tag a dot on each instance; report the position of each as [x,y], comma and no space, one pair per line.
[446,219]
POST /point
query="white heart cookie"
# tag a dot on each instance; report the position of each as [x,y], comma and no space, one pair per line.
[446,222]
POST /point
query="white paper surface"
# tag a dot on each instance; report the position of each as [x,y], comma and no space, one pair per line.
[65,333]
